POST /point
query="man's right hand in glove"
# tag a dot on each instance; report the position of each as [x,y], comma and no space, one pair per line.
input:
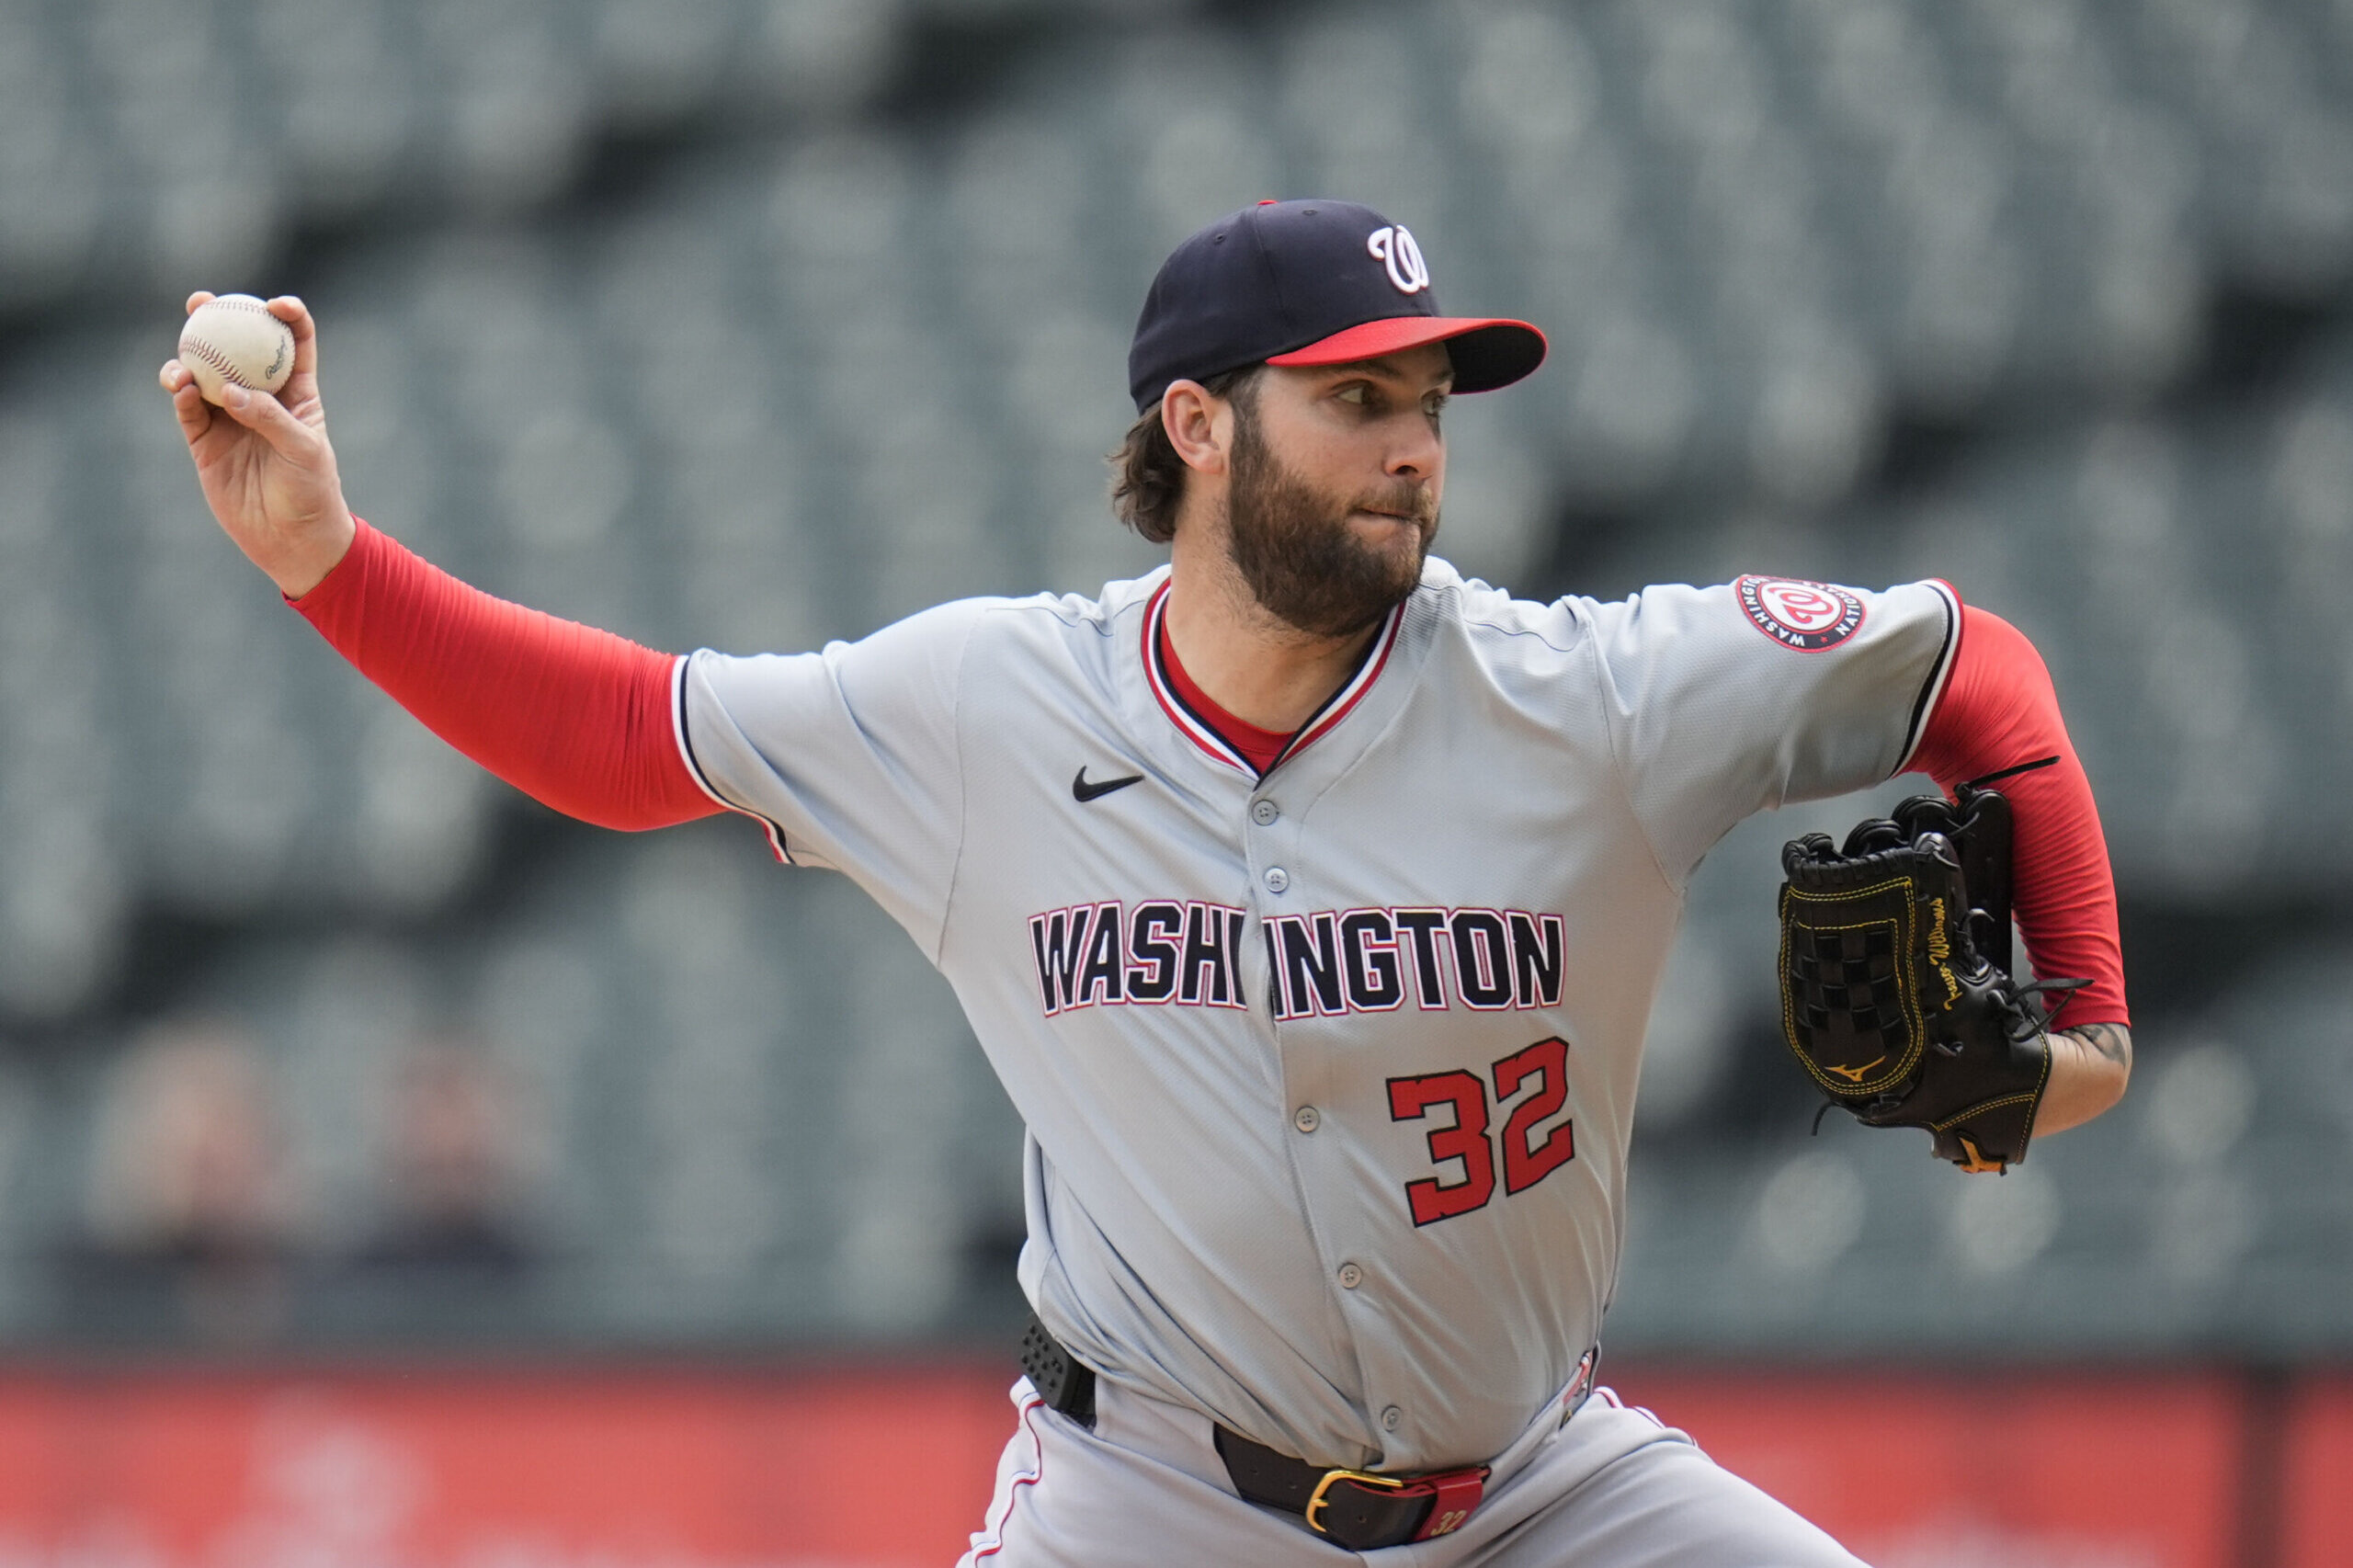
[1996,708]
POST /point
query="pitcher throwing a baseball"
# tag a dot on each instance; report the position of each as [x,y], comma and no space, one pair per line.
[1308,899]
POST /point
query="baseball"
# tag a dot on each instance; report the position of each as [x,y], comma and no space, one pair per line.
[235,339]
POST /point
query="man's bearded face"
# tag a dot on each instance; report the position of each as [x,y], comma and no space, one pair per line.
[1296,548]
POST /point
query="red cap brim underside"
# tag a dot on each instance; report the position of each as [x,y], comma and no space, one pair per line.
[1488,352]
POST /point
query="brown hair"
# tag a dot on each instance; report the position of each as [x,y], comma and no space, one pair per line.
[1148,477]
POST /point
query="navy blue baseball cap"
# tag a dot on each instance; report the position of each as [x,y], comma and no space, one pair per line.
[1308,283]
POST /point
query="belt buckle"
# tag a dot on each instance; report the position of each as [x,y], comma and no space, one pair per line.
[1453,1493]
[1317,1502]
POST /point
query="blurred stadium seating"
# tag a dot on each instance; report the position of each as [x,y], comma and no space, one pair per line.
[755,322]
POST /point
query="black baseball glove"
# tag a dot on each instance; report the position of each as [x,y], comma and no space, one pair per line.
[1897,994]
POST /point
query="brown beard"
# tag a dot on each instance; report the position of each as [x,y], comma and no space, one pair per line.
[1292,544]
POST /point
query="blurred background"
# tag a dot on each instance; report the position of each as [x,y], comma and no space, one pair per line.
[393,1172]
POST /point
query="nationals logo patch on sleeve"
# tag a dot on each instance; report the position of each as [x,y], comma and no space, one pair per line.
[1808,617]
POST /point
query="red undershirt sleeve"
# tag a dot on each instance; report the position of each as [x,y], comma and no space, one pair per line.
[1998,709]
[578,719]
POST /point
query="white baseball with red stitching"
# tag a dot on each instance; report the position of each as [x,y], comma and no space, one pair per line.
[233,340]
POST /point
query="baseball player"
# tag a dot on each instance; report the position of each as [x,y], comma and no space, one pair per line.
[1308,899]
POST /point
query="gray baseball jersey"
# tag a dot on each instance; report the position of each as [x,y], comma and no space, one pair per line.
[1328,1075]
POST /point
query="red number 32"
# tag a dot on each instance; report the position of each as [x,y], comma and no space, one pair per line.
[1527,1159]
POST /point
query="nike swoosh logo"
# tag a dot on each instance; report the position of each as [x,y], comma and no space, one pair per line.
[1081,791]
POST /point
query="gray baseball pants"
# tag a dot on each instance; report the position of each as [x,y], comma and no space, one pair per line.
[1610,1487]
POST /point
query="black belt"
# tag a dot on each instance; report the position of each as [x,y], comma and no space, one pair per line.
[1354,1508]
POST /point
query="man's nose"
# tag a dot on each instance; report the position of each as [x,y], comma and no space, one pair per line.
[1417,452]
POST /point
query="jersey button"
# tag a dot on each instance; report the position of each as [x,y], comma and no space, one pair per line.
[1306,1120]
[1392,1418]
[1350,1277]
[1264,812]
[1276,878]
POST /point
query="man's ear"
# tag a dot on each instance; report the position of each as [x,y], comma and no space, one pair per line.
[1199,426]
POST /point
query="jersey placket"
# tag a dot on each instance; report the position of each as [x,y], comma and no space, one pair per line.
[1307,1063]
[1285,863]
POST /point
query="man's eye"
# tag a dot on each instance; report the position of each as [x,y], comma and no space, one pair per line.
[1355,392]
[1434,404]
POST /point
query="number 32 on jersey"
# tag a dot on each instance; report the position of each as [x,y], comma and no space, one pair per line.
[1537,1079]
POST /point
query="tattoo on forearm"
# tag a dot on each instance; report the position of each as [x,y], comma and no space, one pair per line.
[2112,1041]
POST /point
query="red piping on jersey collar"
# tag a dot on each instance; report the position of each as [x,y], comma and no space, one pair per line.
[1260,748]
[1204,734]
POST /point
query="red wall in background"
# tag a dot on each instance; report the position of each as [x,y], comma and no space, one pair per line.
[700,1468]
[712,1468]
[2317,1531]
